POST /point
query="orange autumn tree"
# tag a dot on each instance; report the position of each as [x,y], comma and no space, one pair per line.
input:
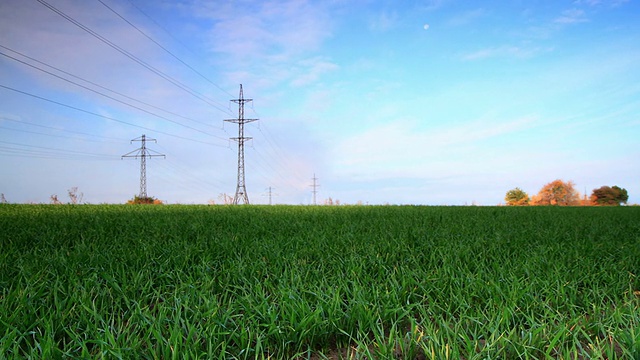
[558,193]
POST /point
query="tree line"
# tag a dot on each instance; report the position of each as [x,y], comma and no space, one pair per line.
[563,193]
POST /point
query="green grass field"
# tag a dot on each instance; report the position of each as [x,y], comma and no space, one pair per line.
[285,282]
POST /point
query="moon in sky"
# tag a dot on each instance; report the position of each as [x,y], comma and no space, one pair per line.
[426,26]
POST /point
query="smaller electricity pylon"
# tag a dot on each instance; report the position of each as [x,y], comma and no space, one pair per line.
[143,153]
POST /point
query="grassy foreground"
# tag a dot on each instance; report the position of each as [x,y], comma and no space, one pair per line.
[284,282]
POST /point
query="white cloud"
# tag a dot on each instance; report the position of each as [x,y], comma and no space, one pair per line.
[384,21]
[466,17]
[571,16]
[431,5]
[611,3]
[264,39]
[266,28]
[311,70]
[394,149]
[503,51]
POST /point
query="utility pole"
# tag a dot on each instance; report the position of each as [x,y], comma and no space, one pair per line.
[315,188]
[143,153]
[241,189]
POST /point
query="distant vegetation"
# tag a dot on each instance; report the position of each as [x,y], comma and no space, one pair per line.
[563,193]
[137,200]
[300,282]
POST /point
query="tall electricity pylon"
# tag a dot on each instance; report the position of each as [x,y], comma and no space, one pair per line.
[241,189]
[143,153]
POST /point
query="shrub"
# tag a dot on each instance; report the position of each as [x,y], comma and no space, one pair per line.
[144,200]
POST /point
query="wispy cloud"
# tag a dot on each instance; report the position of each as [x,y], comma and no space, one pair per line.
[399,145]
[466,17]
[312,69]
[571,16]
[611,3]
[503,52]
[272,28]
[431,5]
[384,21]
[267,38]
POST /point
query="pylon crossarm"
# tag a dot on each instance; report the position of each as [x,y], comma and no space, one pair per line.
[136,151]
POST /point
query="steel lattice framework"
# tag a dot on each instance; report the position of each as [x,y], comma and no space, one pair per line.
[241,189]
[143,153]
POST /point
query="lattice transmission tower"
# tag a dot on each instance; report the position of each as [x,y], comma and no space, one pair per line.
[143,153]
[315,186]
[241,189]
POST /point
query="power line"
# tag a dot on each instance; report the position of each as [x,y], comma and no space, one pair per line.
[278,152]
[241,189]
[160,45]
[163,28]
[104,116]
[130,55]
[50,151]
[186,179]
[41,133]
[283,161]
[109,139]
[185,169]
[94,84]
[107,96]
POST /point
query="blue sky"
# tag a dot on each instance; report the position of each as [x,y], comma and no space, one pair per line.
[437,102]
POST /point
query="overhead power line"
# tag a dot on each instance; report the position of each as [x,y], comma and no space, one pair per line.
[161,27]
[94,84]
[108,139]
[104,116]
[108,96]
[42,133]
[162,47]
[131,56]
[49,152]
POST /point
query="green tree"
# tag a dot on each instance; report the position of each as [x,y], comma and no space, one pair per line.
[516,197]
[613,196]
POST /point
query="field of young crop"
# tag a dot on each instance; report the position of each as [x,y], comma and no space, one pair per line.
[283,282]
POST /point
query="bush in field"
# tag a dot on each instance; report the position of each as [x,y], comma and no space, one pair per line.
[74,197]
[606,195]
[144,200]
[516,197]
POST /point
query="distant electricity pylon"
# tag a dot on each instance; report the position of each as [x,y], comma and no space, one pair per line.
[315,188]
[241,189]
[270,194]
[143,153]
